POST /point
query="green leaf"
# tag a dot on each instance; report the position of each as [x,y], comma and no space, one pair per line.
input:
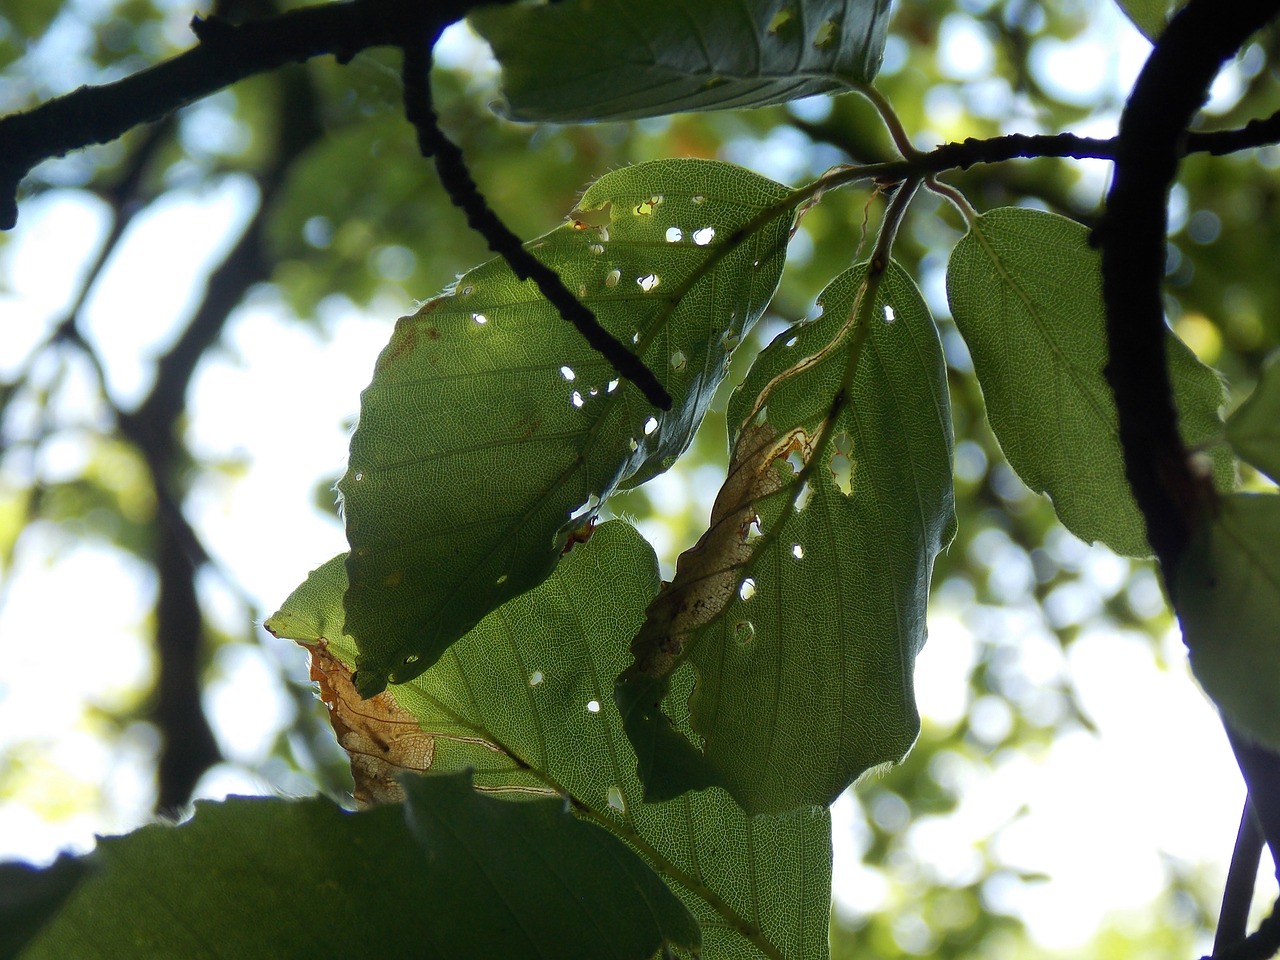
[490,423]
[585,60]
[1149,16]
[1227,592]
[466,876]
[1026,293]
[31,20]
[1254,429]
[551,883]
[29,898]
[802,608]
[313,612]
[514,700]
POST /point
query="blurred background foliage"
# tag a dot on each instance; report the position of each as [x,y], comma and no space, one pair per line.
[336,215]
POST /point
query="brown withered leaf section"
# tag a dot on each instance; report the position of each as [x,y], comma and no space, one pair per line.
[709,573]
[380,736]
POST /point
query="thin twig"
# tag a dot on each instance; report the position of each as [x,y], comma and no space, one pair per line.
[890,119]
[1261,769]
[1262,944]
[1170,90]
[966,153]
[462,190]
[1237,894]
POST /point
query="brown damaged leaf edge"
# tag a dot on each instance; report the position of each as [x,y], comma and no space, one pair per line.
[705,583]
[382,738]
[707,574]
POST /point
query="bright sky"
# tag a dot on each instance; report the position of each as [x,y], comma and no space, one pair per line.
[1157,782]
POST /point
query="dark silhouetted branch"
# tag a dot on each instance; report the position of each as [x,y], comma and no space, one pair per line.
[457,181]
[1261,769]
[966,153]
[1262,944]
[1237,894]
[1173,86]
[229,52]
[1171,89]
[189,744]
[225,54]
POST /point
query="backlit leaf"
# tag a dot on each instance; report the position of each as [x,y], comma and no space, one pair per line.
[490,423]
[524,700]
[802,608]
[1026,292]
[584,60]
[1254,429]
[450,874]
[1228,599]
[30,897]
[382,739]
[1149,16]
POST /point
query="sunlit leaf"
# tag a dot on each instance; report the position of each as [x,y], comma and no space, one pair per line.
[490,423]
[802,608]
[451,874]
[585,60]
[1150,16]
[532,682]
[1026,292]
[1254,429]
[1228,600]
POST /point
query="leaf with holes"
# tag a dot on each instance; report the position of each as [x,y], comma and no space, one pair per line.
[383,740]
[523,700]
[1026,293]
[1254,429]
[585,60]
[1228,599]
[450,874]
[802,608]
[490,423]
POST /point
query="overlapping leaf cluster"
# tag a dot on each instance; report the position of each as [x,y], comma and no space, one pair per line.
[615,765]
[490,425]
[524,701]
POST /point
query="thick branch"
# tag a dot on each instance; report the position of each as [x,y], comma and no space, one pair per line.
[189,745]
[1237,894]
[1173,85]
[1261,769]
[1262,944]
